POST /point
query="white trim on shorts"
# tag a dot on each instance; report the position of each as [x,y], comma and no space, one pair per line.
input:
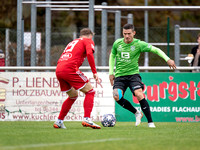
[67,90]
[82,86]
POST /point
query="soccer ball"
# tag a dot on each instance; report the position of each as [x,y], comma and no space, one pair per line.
[108,120]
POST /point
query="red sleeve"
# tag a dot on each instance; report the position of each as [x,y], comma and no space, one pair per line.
[90,56]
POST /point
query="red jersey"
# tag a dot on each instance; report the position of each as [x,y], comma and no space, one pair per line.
[76,52]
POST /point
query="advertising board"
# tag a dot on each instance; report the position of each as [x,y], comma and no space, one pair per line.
[173,97]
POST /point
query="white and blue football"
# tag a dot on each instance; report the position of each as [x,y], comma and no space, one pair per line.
[108,120]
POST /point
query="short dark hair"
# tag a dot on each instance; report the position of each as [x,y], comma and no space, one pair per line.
[86,31]
[128,26]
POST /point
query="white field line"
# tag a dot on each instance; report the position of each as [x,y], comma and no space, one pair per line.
[65,143]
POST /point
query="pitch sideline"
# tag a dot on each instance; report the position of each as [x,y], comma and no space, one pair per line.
[64,143]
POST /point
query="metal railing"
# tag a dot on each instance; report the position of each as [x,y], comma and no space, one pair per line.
[98,68]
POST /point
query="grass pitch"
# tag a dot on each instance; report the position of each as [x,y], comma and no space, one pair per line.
[42,136]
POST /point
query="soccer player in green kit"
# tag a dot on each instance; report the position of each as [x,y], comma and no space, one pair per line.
[127,51]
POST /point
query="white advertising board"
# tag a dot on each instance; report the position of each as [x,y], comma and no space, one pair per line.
[36,96]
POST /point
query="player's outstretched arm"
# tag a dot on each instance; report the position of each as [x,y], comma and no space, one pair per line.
[171,64]
[159,52]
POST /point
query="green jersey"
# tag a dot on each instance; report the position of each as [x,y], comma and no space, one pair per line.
[127,56]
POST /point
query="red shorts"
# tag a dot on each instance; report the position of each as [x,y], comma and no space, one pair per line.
[69,79]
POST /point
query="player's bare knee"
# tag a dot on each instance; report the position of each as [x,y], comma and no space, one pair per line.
[139,96]
[117,94]
[116,97]
[73,93]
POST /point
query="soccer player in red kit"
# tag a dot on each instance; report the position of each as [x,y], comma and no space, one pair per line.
[72,79]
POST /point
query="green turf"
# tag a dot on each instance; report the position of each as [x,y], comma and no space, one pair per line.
[42,136]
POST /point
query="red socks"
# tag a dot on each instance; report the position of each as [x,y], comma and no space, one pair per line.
[67,104]
[88,103]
